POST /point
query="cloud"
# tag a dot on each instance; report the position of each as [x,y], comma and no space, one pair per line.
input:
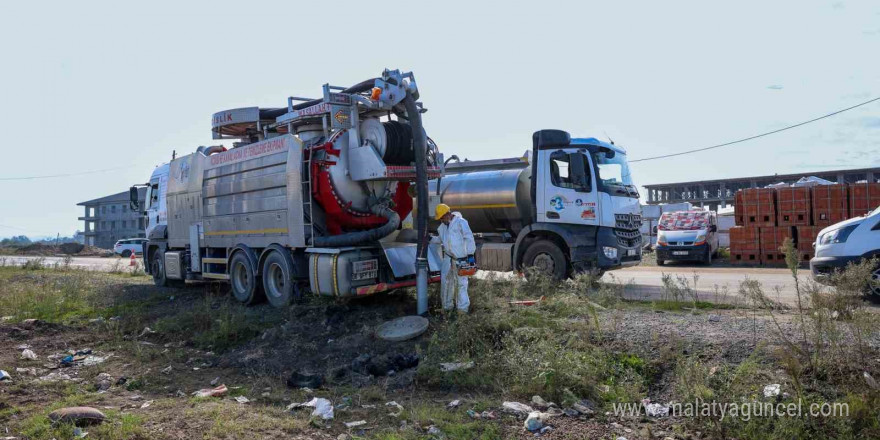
[775,87]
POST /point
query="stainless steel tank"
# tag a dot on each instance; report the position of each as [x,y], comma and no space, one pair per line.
[491,201]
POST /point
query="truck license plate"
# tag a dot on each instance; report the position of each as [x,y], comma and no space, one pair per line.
[631,252]
[679,252]
[364,270]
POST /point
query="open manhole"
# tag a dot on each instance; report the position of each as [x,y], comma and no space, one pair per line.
[401,329]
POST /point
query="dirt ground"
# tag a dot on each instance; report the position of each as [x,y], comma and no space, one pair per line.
[150,352]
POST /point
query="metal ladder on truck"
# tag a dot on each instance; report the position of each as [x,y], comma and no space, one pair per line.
[308,200]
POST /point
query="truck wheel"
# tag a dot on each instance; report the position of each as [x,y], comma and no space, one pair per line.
[546,256]
[278,282]
[242,276]
[157,268]
[874,287]
[126,253]
[707,260]
[660,262]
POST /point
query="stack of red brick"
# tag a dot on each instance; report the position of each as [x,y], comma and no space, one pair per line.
[765,217]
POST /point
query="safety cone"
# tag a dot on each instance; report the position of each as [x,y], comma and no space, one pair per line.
[131,262]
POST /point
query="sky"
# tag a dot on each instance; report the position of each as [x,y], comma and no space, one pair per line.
[95,85]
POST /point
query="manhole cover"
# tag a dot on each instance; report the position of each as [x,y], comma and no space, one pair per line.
[401,329]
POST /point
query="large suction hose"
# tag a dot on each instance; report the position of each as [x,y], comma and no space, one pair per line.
[419,145]
[353,238]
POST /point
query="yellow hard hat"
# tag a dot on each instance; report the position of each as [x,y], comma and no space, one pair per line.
[442,209]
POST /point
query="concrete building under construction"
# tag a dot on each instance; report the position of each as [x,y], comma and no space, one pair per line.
[109,218]
[719,192]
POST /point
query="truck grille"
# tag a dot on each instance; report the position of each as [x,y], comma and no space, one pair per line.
[628,238]
[628,221]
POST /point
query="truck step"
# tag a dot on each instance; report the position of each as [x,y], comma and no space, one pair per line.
[214,260]
[215,276]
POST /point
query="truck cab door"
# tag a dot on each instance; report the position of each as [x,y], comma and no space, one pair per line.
[155,203]
[566,190]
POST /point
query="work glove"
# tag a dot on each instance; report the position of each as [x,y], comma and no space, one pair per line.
[472,260]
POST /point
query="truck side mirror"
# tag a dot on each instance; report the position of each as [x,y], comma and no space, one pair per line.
[713,228]
[133,200]
[579,176]
[655,230]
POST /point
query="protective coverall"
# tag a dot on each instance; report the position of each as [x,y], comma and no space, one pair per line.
[457,242]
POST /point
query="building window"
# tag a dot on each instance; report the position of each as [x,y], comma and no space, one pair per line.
[124,224]
[103,226]
[112,209]
[124,207]
[141,223]
[104,209]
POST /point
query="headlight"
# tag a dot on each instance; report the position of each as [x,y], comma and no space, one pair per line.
[838,235]
[610,252]
[700,238]
[661,239]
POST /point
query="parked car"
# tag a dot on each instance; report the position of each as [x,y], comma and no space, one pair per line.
[129,246]
[687,236]
[850,241]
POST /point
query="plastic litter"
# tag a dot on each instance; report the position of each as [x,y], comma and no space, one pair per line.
[146,404]
[28,354]
[322,406]
[535,421]
[215,381]
[5,376]
[455,403]
[355,424]
[454,366]
[242,399]
[527,302]
[655,409]
[212,392]
[870,380]
[396,405]
[772,390]
[433,430]
[517,408]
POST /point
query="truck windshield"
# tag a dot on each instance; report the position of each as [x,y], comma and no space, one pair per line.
[614,171]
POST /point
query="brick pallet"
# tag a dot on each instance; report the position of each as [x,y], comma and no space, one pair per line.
[771,240]
[806,236]
[863,198]
[759,207]
[744,245]
[830,204]
[793,206]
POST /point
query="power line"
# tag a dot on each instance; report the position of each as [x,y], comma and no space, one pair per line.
[50,176]
[757,136]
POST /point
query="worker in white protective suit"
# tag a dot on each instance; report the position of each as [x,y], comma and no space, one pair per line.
[457,242]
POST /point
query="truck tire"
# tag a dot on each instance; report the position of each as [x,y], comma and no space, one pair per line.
[660,262]
[707,260]
[157,268]
[243,278]
[547,257]
[278,283]
[874,285]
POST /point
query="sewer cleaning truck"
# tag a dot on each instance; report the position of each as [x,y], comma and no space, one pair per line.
[310,197]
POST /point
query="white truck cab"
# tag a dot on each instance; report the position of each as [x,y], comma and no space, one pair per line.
[849,241]
[687,236]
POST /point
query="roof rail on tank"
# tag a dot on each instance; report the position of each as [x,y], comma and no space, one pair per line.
[510,163]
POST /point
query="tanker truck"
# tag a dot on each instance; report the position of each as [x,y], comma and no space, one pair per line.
[568,206]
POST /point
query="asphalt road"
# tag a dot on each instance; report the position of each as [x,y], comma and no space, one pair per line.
[715,284]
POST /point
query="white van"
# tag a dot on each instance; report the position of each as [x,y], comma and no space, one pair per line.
[129,246]
[849,241]
[687,236]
